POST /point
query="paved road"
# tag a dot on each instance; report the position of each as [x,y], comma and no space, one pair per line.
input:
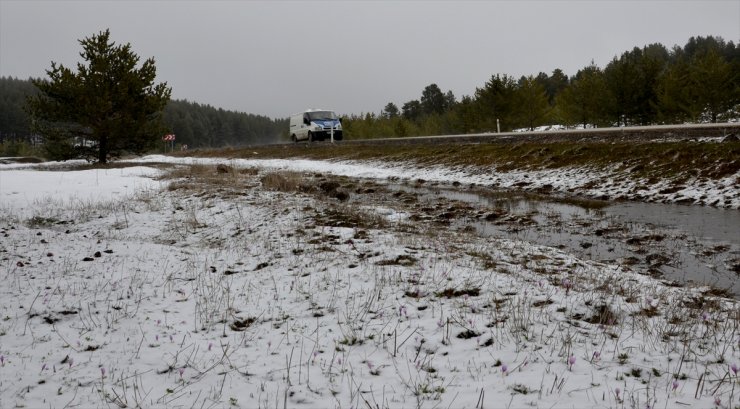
[622,134]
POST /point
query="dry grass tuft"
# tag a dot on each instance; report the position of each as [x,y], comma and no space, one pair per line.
[400,260]
[249,171]
[190,172]
[603,315]
[349,216]
[282,182]
[207,177]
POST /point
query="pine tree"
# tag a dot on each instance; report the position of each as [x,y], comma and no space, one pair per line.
[714,85]
[675,102]
[432,100]
[390,111]
[411,110]
[530,103]
[494,103]
[587,100]
[450,101]
[106,108]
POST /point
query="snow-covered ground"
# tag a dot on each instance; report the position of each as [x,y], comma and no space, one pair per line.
[117,289]
[611,184]
[24,192]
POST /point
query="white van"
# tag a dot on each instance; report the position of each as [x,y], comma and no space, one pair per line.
[315,125]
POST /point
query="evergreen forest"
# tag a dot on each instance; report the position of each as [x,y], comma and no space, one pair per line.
[697,82]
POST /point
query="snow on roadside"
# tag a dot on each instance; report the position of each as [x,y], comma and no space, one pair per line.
[612,184]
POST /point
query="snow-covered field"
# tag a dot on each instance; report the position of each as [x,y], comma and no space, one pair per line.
[125,288]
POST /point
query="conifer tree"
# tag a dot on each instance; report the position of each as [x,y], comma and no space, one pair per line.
[587,100]
[495,101]
[105,108]
[411,110]
[390,111]
[714,84]
[530,103]
[432,100]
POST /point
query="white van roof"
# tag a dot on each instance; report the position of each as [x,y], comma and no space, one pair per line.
[313,110]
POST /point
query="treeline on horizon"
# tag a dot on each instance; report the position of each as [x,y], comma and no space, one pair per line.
[699,82]
[203,126]
[195,125]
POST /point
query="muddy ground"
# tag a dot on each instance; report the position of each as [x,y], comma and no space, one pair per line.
[662,247]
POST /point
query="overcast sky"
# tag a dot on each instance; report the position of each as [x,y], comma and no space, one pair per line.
[275,58]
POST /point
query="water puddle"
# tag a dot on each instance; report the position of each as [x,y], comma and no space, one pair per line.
[679,243]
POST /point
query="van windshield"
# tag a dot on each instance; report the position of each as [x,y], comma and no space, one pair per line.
[322,115]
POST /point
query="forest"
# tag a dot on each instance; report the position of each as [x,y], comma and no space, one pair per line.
[697,82]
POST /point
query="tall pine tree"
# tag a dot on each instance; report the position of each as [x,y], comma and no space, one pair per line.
[106,108]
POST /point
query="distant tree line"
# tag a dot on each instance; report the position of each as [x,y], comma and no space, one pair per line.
[203,126]
[195,125]
[699,82]
[15,126]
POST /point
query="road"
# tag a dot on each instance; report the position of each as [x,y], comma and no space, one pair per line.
[612,134]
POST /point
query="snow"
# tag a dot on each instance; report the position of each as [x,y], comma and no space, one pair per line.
[119,289]
[22,190]
[555,127]
[586,181]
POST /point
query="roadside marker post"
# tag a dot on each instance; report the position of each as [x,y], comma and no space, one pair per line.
[171,139]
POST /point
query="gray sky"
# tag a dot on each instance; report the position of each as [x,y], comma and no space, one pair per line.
[279,57]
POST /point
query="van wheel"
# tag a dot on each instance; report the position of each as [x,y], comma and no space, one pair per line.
[310,136]
[293,138]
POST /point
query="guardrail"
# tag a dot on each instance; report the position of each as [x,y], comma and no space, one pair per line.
[653,132]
